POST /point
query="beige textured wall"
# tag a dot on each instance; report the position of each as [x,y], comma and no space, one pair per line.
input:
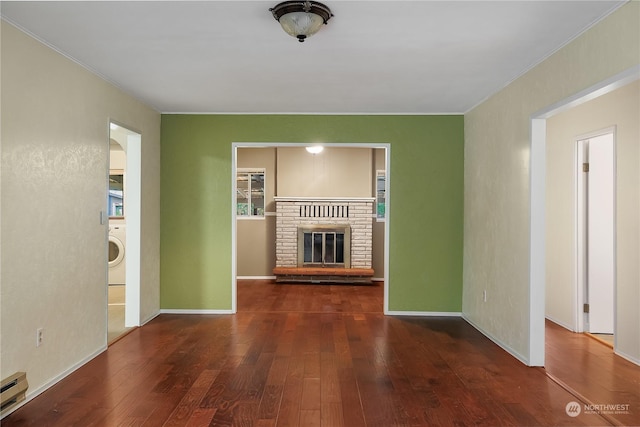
[117,159]
[55,151]
[620,108]
[497,168]
[336,172]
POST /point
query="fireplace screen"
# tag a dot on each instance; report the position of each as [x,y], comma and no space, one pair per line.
[324,246]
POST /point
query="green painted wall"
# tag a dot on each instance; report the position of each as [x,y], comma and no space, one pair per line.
[426,223]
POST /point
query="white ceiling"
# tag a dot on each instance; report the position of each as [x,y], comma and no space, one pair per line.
[424,57]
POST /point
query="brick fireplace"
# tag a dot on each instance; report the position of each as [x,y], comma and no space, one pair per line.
[338,236]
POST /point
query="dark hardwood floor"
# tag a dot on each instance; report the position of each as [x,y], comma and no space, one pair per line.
[253,295]
[591,369]
[306,355]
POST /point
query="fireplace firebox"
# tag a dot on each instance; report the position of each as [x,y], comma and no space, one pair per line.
[324,246]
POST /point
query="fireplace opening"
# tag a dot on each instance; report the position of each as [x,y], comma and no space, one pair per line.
[324,246]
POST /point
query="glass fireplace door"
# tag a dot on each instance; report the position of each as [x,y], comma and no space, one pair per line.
[324,248]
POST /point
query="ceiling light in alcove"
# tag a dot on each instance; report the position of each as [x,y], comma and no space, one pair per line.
[301,19]
[315,149]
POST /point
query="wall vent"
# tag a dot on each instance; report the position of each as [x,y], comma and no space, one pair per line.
[12,390]
[324,211]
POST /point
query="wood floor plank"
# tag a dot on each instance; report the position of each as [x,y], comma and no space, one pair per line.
[329,380]
[192,398]
[312,364]
[310,394]
[289,414]
[270,402]
[331,415]
[326,355]
[350,395]
[310,418]
[201,417]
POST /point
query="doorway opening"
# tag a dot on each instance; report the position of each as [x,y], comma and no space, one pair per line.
[538,174]
[123,212]
[257,211]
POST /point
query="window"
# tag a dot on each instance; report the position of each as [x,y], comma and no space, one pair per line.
[116,193]
[381,198]
[250,193]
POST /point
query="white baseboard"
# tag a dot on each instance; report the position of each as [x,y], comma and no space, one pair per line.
[150,318]
[559,323]
[192,311]
[631,359]
[424,313]
[30,395]
[498,342]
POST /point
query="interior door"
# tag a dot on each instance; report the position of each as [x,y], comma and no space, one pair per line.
[600,234]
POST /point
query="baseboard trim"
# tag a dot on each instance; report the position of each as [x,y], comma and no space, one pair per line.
[150,318]
[498,342]
[423,313]
[559,323]
[30,395]
[377,279]
[194,311]
[628,357]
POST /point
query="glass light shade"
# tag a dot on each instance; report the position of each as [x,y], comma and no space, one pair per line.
[301,24]
[315,149]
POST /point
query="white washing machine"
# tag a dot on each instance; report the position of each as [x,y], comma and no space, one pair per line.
[117,239]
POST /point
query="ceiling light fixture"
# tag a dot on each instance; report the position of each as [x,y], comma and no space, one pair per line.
[315,149]
[301,19]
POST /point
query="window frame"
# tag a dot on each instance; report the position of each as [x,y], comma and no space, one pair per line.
[248,172]
[381,174]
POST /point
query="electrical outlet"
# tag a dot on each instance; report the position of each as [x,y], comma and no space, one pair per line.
[39,336]
[484,295]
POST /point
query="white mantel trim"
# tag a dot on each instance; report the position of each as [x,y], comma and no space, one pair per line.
[324,199]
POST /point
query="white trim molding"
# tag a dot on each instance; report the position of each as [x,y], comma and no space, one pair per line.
[499,343]
[194,311]
[628,357]
[424,313]
[324,199]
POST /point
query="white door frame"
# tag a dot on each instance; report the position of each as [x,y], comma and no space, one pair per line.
[537,242]
[234,157]
[133,211]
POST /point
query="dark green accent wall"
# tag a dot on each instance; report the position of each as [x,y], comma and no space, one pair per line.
[426,196]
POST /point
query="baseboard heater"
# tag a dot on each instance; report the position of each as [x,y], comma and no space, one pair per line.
[12,390]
